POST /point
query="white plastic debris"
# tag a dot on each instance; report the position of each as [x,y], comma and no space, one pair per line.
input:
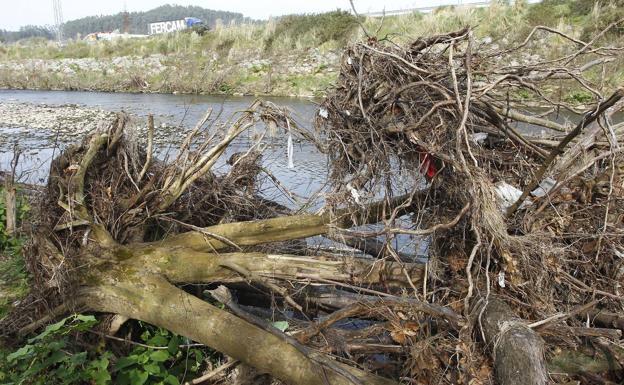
[291,163]
[347,112]
[323,113]
[508,195]
[501,278]
[354,193]
[479,137]
[291,148]
[544,187]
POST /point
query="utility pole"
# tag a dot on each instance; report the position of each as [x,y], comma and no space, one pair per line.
[58,19]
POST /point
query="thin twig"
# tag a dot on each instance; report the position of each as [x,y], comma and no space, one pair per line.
[150,145]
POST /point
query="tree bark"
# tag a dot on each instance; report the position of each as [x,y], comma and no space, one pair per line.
[183,265]
[153,299]
[517,350]
[276,229]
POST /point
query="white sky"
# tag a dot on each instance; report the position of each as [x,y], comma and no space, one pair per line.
[15,14]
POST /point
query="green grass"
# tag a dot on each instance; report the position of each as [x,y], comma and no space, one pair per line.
[13,281]
[13,275]
[333,30]
[300,35]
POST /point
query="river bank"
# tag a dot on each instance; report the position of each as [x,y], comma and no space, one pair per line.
[24,122]
[298,74]
[64,114]
[71,117]
[300,55]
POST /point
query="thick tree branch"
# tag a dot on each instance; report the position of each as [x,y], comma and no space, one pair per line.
[152,299]
[278,229]
[184,265]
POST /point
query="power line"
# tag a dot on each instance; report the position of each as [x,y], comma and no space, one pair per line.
[58,19]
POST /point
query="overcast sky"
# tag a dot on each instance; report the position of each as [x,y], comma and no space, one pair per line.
[15,14]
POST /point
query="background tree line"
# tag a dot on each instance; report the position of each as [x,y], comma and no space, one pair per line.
[25,32]
[136,22]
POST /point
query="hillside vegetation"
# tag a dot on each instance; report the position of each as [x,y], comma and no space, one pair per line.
[131,22]
[290,55]
[26,32]
[138,21]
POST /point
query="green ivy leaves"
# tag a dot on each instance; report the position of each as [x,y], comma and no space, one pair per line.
[161,365]
[50,358]
[47,359]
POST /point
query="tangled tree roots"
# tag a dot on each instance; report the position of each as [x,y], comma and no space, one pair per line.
[432,129]
[444,106]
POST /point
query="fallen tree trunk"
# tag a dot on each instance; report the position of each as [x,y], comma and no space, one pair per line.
[518,351]
[136,279]
[154,300]
[114,233]
[132,289]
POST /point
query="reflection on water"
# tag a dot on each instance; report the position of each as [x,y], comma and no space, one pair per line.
[179,113]
[183,110]
[176,114]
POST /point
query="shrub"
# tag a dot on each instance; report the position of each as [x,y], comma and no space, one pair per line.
[8,244]
[53,357]
[548,12]
[49,358]
[159,366]
[324,27]
[13,276]
[606,14]
[580,96]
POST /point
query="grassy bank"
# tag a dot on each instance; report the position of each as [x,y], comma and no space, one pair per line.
[13,277]
[292,55]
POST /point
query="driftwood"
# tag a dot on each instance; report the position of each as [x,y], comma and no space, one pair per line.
[135,279]
[422,142]
[518,351]
[10,197]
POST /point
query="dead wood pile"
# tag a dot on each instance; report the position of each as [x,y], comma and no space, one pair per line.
[524,214]
[518,204]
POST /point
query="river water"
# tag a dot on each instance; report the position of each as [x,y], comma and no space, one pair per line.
[178,113]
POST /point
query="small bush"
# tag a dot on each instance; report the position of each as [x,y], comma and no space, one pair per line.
[8,244]
[580,97]
[13,275]
[324,27]
[159,366]
[50,359]
[53,357]
[224,47]
[548,12]
[606,14]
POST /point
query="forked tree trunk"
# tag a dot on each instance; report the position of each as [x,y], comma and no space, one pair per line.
[153,299]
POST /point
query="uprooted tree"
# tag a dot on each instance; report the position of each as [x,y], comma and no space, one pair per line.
[429,140]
